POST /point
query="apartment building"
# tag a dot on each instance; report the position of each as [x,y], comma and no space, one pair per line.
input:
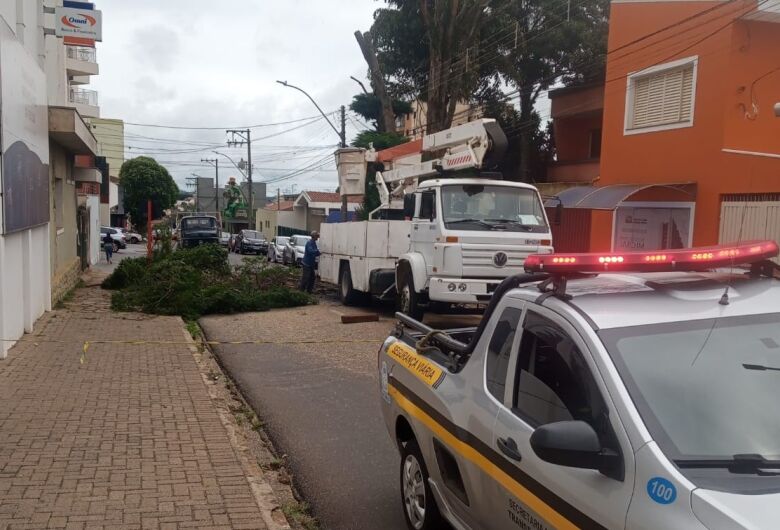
[415,124]
[689,148]
[110,134]
[49,204]
[70,60]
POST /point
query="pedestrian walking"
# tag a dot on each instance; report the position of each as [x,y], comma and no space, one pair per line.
[108,246]
[309,263]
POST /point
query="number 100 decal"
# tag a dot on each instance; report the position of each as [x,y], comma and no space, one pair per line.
[661,490]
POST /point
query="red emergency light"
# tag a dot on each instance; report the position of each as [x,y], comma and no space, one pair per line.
[685,259]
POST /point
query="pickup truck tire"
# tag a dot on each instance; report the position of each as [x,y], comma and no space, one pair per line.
[419,505]
[408,299]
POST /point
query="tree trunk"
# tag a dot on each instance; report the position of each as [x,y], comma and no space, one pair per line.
[366,43]
[526,133]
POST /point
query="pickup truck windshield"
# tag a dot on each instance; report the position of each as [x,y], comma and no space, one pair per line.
[707,389]
[198,223]
[492,207]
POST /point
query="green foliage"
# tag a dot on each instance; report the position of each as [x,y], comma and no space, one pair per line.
[370,108]
[199,281]
[380,140]
[130,271]
[142,178]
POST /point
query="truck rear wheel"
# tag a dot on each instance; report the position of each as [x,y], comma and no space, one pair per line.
[420,509]
[347,294]
[408,298]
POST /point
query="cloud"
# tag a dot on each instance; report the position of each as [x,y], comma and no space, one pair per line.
[197,63]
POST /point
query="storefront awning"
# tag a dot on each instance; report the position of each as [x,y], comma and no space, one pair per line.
[610,197]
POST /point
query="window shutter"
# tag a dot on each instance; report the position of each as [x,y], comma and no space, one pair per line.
[663,98]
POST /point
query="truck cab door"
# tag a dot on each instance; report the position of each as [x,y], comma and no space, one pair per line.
[552,379]
[425,227]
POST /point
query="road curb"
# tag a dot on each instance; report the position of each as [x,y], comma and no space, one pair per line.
[263,493]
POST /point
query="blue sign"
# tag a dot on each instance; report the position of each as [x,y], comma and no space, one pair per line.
[661,490]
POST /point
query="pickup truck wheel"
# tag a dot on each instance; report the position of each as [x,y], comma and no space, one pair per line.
[116,247]
[420,509]
[408,299]
[347,294]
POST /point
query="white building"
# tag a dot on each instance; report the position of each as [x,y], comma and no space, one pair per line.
[45,229]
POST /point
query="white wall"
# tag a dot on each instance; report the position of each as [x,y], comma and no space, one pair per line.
[93,205]
[25,282]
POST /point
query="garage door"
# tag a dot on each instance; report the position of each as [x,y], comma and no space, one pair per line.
[745,217]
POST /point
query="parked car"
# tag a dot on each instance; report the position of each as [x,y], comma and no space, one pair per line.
[130,236]
[116,234]
[198,230]
[224,239]
[293,251]
[251,241]
[276,248]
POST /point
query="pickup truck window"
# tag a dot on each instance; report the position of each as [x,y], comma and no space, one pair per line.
[499,350]
[553,383]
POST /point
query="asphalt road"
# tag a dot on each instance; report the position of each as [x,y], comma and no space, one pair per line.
[320,405]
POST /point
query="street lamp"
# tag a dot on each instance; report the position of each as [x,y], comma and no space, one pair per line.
[342,134]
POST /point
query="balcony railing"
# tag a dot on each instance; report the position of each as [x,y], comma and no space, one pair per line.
[83,96]
[81,53]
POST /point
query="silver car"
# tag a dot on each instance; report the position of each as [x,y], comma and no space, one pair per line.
[294,250]
[276,248]
[644,399]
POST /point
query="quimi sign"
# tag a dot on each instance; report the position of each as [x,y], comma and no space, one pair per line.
[83,23]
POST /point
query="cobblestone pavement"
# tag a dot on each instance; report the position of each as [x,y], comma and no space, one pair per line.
[128,439]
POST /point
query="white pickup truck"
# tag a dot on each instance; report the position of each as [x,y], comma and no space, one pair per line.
[460,235]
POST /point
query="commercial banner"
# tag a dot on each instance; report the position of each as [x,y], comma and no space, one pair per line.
[651,228]
[25,137]
[75,22]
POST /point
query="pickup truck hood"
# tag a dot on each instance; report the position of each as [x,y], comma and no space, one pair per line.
[721,510]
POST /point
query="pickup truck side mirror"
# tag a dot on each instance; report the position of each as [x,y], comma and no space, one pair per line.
[575,444]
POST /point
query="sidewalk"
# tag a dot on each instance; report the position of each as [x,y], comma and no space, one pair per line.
[128,439]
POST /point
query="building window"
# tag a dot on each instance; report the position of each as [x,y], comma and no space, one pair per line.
[661,97]
[267,223]
[594,150]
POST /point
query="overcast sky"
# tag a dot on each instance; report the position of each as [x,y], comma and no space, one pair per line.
[202,63]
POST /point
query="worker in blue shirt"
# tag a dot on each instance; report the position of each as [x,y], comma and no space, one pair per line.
[309,263]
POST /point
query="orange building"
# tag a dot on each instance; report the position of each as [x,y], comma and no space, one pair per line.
[690,151]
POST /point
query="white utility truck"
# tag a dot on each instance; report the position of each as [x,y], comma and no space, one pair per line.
[447,233]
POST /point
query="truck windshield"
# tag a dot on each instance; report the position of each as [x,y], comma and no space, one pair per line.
[707,389]
[492,207]
[251,234]
[198,223]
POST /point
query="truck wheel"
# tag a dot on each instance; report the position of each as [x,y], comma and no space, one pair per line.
[420,509]
[408,299]
[347,294]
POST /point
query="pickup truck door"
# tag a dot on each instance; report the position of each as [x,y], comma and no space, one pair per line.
[553,378]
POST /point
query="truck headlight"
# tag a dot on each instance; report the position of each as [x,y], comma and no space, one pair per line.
[451,287]
[462,287]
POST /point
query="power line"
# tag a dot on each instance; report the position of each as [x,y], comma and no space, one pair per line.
[181,127]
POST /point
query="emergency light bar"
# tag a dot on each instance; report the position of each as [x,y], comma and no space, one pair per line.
[688,259]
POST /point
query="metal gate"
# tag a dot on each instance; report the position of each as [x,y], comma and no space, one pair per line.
[82,239]
[750,216]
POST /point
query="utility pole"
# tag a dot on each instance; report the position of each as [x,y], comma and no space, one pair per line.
[344,205]
[245,138]
[278,208]
[214,162]
[195,178]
